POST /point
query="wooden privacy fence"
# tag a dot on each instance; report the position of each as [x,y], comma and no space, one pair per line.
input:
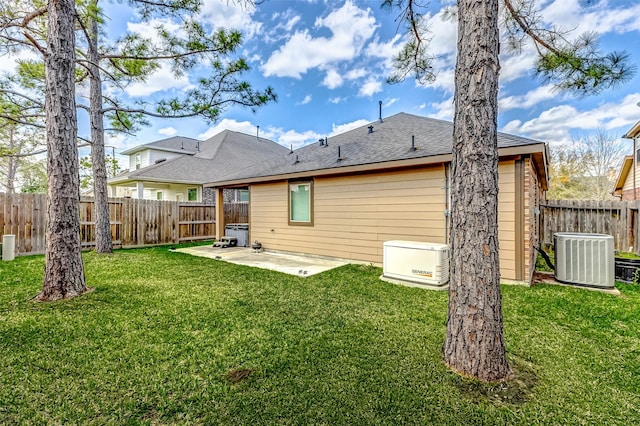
[236,212]
[616,218]
[133,222]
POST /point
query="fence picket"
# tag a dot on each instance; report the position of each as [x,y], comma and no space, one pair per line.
[133,222]
[616,218]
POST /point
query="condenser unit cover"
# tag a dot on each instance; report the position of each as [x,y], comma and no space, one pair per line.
[585,259]
[423,263]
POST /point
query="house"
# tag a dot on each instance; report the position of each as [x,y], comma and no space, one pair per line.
[627,185]
[175,169]
[388,180]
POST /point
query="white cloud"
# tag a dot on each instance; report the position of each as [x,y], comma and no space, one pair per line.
[529,99]
[341,128]
[285,138]
[333,79]
[232,15]
[291,23]
[603,18]
[168,131]
[229,124]
[355,74]
[162,79]
[390,102]
[337,100]
[306,100]
[350,26]
[444,110]
[370,88]
[556,124]
[294,138]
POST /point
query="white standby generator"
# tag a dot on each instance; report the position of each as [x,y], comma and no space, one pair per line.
[422,263]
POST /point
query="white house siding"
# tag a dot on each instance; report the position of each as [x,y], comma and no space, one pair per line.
[148,157]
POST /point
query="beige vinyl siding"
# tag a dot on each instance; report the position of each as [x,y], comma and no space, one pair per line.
[506,218]
[355,215]
[628,183]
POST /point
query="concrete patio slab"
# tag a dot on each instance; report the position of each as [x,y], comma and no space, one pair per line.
[302,265]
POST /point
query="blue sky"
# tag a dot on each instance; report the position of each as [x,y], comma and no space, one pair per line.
[327,61]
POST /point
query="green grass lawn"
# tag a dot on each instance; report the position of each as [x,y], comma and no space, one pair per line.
[166,338]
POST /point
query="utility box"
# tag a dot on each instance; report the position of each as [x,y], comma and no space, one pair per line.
[422,263]
[585,259]
[8,247]
[240,231]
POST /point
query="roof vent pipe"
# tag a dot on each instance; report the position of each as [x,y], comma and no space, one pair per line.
[339,156]
[257,132]
[413,143]
[370,129]
[198,146]
[380,114]
[297,161]
[326,141]
[321,142]
[291,151]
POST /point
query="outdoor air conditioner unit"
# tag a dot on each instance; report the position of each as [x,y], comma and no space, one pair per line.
[422,263]
[585,259]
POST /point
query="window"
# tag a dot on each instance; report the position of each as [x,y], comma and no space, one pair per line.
[159,195]
[243,195]
[300,203]
[138,161]
[192,194]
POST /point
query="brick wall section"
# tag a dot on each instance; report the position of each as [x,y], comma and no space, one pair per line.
[208,196]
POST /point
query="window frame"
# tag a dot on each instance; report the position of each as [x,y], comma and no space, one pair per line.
[189,192]
[311,202]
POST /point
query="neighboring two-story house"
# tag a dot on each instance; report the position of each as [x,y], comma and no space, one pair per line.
[175,169]
[627,185]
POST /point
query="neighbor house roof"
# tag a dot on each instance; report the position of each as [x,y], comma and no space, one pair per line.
[381,144]
[179,144]
[627,165]
[633,132]
[217,156]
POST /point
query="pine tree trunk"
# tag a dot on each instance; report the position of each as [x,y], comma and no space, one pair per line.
[474,345]
[64,271]
[100,190]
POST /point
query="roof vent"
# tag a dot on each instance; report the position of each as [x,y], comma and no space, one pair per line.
[321,142]
[326,141]
[160,160]
[380,115]
[198,146]
[297,161]
[291,151]
[413,144]
[339,156]
[370,129]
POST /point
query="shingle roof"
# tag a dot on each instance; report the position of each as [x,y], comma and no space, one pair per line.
[390,140]
[219,155]
[175,143]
